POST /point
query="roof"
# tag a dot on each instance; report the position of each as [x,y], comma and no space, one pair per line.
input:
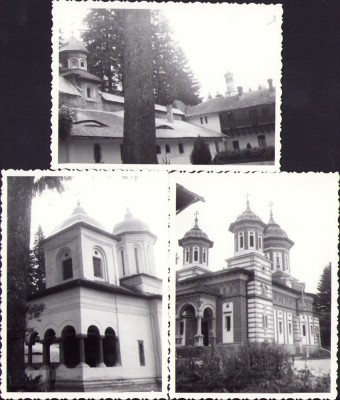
[184,198]
[66,86]
[246,216]
[93,123]
[82,73]
[218,104]
[130,225]
[120,99]
[196,233]
[73,44]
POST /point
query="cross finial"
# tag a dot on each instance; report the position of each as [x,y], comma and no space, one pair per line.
[247,197]
[72,28]
[271,209]
[196,215]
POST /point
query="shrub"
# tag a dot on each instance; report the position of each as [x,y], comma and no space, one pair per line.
[200,154]
[67,116]
[245,155]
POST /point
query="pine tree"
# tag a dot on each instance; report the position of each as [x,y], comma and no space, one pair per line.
[323,305]
[36,272]
[200,154]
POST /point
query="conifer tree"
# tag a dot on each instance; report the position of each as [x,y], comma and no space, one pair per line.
[200,154]
[323,305]
[36,272]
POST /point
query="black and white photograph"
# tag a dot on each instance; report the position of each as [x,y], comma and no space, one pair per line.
[177,84]
[256,274]
[86,271]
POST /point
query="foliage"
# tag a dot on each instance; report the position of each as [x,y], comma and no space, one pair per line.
[27,384]
[252,368]
[139,139]
[200,154]
[104,38]
[323,305]
[67,116]
[245,155]
[36,270]
[20,193]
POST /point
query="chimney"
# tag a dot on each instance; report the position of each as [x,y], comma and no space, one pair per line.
[270,83]
[240,91]
[169,114]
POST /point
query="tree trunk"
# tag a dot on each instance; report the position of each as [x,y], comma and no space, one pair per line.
[139,143]
[20,190]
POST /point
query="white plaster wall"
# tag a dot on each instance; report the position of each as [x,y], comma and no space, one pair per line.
[213,121]
[81,151]
[251,139]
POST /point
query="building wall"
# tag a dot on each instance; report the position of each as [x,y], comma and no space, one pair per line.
[253,139]
[212,123]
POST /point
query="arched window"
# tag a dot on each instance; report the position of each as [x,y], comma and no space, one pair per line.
[278,266]
[82,64]
[186,255]
[97,152]
[136,250]
[66,266]
[74,63]
[89,92]
[205,256]
[110,348]
[241,241]
[71,347]
[260,241]
[97,260]
[92,347]
[122,262]
[196,253]
[251,238]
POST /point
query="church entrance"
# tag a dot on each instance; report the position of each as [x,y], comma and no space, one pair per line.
[206,326]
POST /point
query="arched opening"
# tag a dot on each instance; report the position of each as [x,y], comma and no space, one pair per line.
[207,325]
[71,347]
[110,348]
[35,351]
[92,347]
[190,325]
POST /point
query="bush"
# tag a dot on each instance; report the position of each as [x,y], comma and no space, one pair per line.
[253,368]
[200,154]
[245,155]
[67,116]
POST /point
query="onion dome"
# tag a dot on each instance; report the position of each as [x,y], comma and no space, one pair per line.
[274,231]
[246,217]
[196,234]
[78,215]
[74,45]
[130,225]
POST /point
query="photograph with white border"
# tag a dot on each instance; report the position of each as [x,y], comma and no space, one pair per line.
[255,285]
[214,78]
[85,264]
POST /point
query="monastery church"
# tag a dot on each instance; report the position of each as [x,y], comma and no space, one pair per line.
[254,299]
[101,324]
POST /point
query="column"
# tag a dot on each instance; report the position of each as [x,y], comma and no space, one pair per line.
[81,351]
[212,332]
[30,356]
[101,352]
[46,352]
[199,336]
[61,351]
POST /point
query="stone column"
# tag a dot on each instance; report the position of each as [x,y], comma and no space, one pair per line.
[212,332]
[101,353]
[30,356]
[81,351]
[199,336]
[61,351]
[46,352]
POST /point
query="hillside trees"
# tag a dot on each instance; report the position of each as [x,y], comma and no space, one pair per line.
[104,38]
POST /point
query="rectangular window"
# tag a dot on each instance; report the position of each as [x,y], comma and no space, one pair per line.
[265,321]
[158,149]
[228,323]
[97,267]
[290,328]
[253,117]
[304,330]
[186,255]
[260,242]
[241,240]
[204,256]
[236,145]
[181,328]
[136,260]
[180,148]
[251,239]
[278,266]
[206,119]
[195,254]
[167,148]
[280,327]
[217,147]
[141,352]
[262,141]
[201,120]
[67,269]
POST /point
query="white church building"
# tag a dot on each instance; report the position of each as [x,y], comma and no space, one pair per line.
[100,328]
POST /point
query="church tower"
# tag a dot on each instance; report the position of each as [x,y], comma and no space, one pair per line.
[196,245]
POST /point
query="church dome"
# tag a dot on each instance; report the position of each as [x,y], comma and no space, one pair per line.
[130,224]
[246,216]
[274,230]
[78,215]
[196,233]
[73,44]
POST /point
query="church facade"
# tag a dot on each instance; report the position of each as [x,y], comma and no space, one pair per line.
[254,299]
[101,324]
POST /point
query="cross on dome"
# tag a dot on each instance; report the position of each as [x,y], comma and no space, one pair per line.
[271,211]
[247,196]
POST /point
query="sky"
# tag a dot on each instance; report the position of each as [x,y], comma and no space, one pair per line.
[216,38]
[105,197]
[305,206]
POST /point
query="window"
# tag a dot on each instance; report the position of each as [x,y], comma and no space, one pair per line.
[280,327]
[204,254]
[122,261]
[206,119]
[262,141]
[74,64]
[158,149]
[253,117]
[88,92]
[141,352]
[278,266]
[217,147]
[290,328]
[97,152]
[260,242]
[167,148]
[180,148]
[251,239]
[137,260]
[311,330]
[241,240]
[82,64]
[201,120]
[265,321]
[228,323]
[67,270]
[187,255]
[196,254]
[181,328]
[287,262]
[236,145]
[230,116]
[97,267]
[304,330]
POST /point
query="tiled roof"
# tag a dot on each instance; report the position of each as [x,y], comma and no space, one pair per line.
[66,86]
[73,44]
[82,73]
[93,123]
[120,99]
[218,104]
